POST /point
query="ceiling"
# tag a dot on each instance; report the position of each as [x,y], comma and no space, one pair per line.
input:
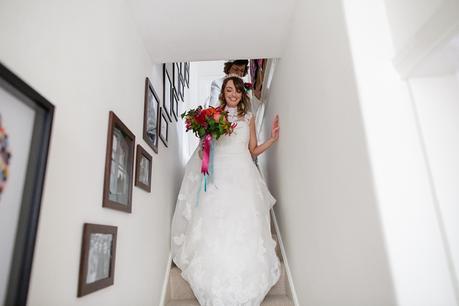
[199,30]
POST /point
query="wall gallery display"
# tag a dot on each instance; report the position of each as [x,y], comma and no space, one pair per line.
[119,160]
[168,93]
[143,167]
[151,116]
[164,128]
[97,261]
[26,123]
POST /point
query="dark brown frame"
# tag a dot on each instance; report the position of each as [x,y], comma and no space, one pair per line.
[115,122]
[88,229]
[29,214]
[149,87]
[141,152]
[164,138]
[166,77]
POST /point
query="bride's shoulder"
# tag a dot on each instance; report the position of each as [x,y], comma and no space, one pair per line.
[248,116]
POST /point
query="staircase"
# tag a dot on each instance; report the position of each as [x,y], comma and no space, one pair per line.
[180,293]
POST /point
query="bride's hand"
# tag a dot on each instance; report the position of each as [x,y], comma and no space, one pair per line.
[275,129]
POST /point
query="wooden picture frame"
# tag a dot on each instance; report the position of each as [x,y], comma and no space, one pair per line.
[97,261]
[151,116]
[168,92]
[164,128]
[27,119]
[118,166]
[143,166]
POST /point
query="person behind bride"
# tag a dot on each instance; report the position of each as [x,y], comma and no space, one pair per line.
[237,67]
[221,237]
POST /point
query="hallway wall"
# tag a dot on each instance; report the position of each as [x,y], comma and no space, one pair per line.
[87,58]
[320,172]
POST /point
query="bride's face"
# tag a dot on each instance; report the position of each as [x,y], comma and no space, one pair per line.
[232,95]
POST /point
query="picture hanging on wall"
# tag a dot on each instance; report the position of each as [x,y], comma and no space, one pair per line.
[164,128]
[151,116]
[175,106]
[143,167]
[119,160]
[187,74]
[167,92]
[25,133]
[176,77]
[97,261]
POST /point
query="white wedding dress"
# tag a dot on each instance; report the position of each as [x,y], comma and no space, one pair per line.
[221,238]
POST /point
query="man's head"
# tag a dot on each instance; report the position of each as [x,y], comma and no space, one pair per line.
[237,67]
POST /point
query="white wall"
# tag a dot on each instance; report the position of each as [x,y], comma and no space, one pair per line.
[87,59]
[320,172]
[437,104]
[417,254]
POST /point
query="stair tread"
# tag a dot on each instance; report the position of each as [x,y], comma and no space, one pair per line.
[270,300]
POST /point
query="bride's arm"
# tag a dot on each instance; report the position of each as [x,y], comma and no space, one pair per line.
[256,149]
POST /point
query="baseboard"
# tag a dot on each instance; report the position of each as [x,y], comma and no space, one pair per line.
[165,291]
[292,292]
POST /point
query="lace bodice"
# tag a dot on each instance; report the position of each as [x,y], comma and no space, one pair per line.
[238,141]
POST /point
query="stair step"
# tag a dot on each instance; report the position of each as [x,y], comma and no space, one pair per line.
[271,300]
[181,290]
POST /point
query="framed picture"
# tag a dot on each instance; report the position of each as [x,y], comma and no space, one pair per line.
[164,128]
[97,261]
[167,92]
[176,77]
[182,89]
[170,69]
[187,74]
[119,161]
[143,164]
[175,106]
[151,116]
[26,120]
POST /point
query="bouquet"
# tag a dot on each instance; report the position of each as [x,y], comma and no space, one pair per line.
[208,124]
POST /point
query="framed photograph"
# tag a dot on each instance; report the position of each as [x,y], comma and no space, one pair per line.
[164,128]
[167,92]
[26,120]
[176,77]
[119,160]
[97,261]
[187,74]
[143,165]
[182,89]
[151,116]
[175,106]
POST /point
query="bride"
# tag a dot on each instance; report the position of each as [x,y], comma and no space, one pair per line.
[221,238]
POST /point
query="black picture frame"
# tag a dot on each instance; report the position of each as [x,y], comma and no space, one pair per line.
[151,116]
[187,74]
[164,128]
[176,77]
[175,106]
[94,260]
[30,204]
[167,93]
[143,166]
[119,169]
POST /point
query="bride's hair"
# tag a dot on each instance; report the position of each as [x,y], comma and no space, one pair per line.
[244,105]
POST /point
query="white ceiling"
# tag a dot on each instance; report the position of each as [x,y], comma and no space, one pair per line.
[197,30]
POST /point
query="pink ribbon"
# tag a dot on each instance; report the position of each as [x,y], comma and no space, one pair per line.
[206,154]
